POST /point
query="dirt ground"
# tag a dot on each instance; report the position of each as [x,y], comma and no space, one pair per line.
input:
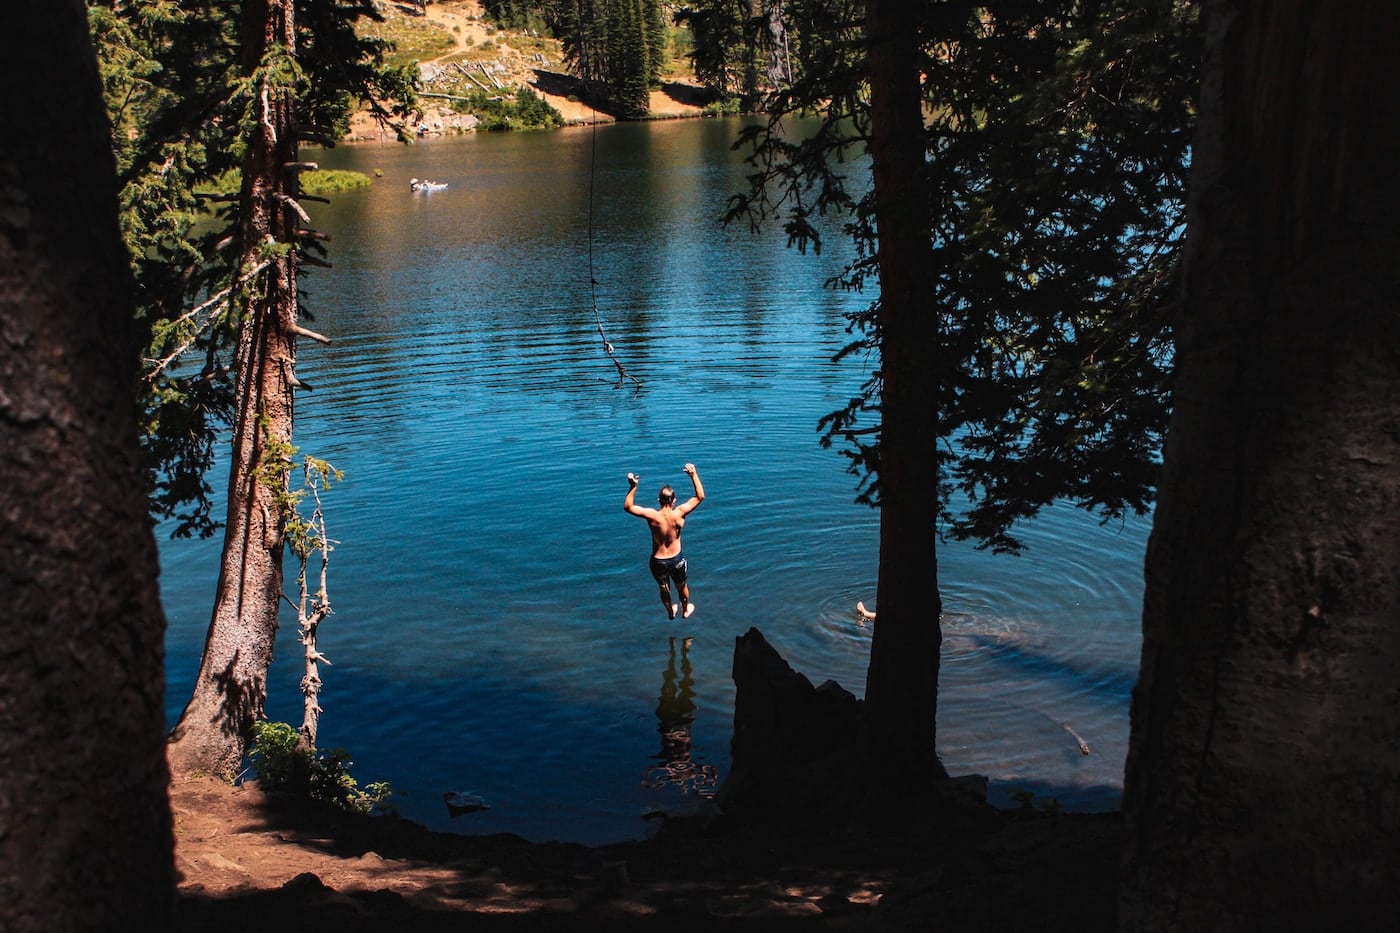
[248,862]
[462,19]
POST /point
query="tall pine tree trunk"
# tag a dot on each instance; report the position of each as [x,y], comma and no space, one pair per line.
[85,838]
[778,70]
[1263,776]
[901,693]
[231,688]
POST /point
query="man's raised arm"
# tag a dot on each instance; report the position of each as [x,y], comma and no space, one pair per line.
[627,504]
[699,496]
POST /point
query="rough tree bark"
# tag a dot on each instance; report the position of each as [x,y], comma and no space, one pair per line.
[85,837]
[1263,776]
[778,70]
[231,688]
[901,692]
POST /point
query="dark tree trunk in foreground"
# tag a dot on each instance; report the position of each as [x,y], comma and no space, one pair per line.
[1263,778]
[901,692]
[85,839]
[231,689]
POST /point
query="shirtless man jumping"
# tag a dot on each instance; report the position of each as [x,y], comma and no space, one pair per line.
[667,562]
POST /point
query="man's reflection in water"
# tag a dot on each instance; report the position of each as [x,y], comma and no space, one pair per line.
[675,712]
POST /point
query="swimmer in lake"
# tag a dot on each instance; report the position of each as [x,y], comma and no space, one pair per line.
[667,562]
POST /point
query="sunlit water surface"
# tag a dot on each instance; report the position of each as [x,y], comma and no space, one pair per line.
[496,632]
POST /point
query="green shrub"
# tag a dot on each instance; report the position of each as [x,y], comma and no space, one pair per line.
[724,107]
[529,110]
[324,182]
[320,182]
[319,775]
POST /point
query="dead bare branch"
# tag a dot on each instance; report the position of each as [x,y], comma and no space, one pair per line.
[309,334]
[161,364]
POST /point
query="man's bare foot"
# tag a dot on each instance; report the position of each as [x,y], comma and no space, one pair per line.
[689,608]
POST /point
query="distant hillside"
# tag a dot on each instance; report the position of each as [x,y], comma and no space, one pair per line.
[458,52]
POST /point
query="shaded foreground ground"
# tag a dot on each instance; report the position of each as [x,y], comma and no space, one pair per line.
[248,862]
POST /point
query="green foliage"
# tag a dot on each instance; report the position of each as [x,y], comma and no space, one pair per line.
[285,767]
[318,182]
[273,466]
[657,39]
[167,141]
[742,51]
[1057,141]
[304,535]
[718,50]
[183,415]
[323,182]
[628,71]
[724,107]
[518,14]
[527,111]
[180,104]
[620,49]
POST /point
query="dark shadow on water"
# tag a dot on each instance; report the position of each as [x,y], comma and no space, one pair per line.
[1115,685]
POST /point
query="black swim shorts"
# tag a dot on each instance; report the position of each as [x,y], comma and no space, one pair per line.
[672,568]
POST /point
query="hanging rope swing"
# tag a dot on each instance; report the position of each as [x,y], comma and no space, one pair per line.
[623,376]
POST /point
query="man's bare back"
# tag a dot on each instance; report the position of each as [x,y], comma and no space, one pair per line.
[666,527]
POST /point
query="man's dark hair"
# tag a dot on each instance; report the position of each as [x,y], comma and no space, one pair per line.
[666,496]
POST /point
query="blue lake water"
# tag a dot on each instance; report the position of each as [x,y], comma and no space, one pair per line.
[496,632]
